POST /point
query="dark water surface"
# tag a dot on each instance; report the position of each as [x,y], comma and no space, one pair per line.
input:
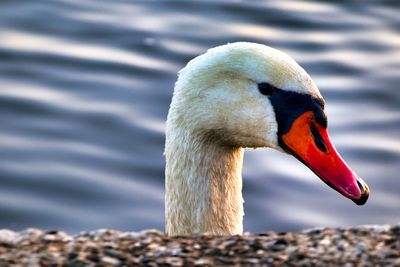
[85,88]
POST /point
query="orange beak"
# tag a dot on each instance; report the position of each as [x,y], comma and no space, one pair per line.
[309,142]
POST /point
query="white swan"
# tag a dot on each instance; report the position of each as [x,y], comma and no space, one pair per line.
[235,96]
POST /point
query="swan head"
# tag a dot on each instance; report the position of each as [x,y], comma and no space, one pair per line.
[251,95]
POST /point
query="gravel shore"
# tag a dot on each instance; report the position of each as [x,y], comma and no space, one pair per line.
[375,245]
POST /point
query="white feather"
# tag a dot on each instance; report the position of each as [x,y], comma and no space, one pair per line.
[216,111]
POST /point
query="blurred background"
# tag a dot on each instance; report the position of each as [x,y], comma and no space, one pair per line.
[85,88]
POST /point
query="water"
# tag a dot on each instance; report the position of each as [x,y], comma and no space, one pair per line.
[85,88]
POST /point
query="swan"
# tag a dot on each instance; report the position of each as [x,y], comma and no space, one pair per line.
[236,96]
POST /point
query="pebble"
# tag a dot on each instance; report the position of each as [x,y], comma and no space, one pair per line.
[204,261]
[371,245]
[8,237]
[376,228]
[109,260]
[325,242]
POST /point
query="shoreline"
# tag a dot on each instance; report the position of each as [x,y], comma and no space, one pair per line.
[368,245]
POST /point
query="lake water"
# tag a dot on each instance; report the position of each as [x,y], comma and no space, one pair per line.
[85,88]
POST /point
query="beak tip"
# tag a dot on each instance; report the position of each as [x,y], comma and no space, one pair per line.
[362,200]
[364,193]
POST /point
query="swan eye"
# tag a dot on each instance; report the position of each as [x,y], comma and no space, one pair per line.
[320,117]
[266,88]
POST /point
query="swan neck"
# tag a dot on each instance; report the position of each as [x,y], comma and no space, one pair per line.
[203,186]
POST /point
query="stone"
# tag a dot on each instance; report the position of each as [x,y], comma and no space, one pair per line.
[357,246]
[8,237]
